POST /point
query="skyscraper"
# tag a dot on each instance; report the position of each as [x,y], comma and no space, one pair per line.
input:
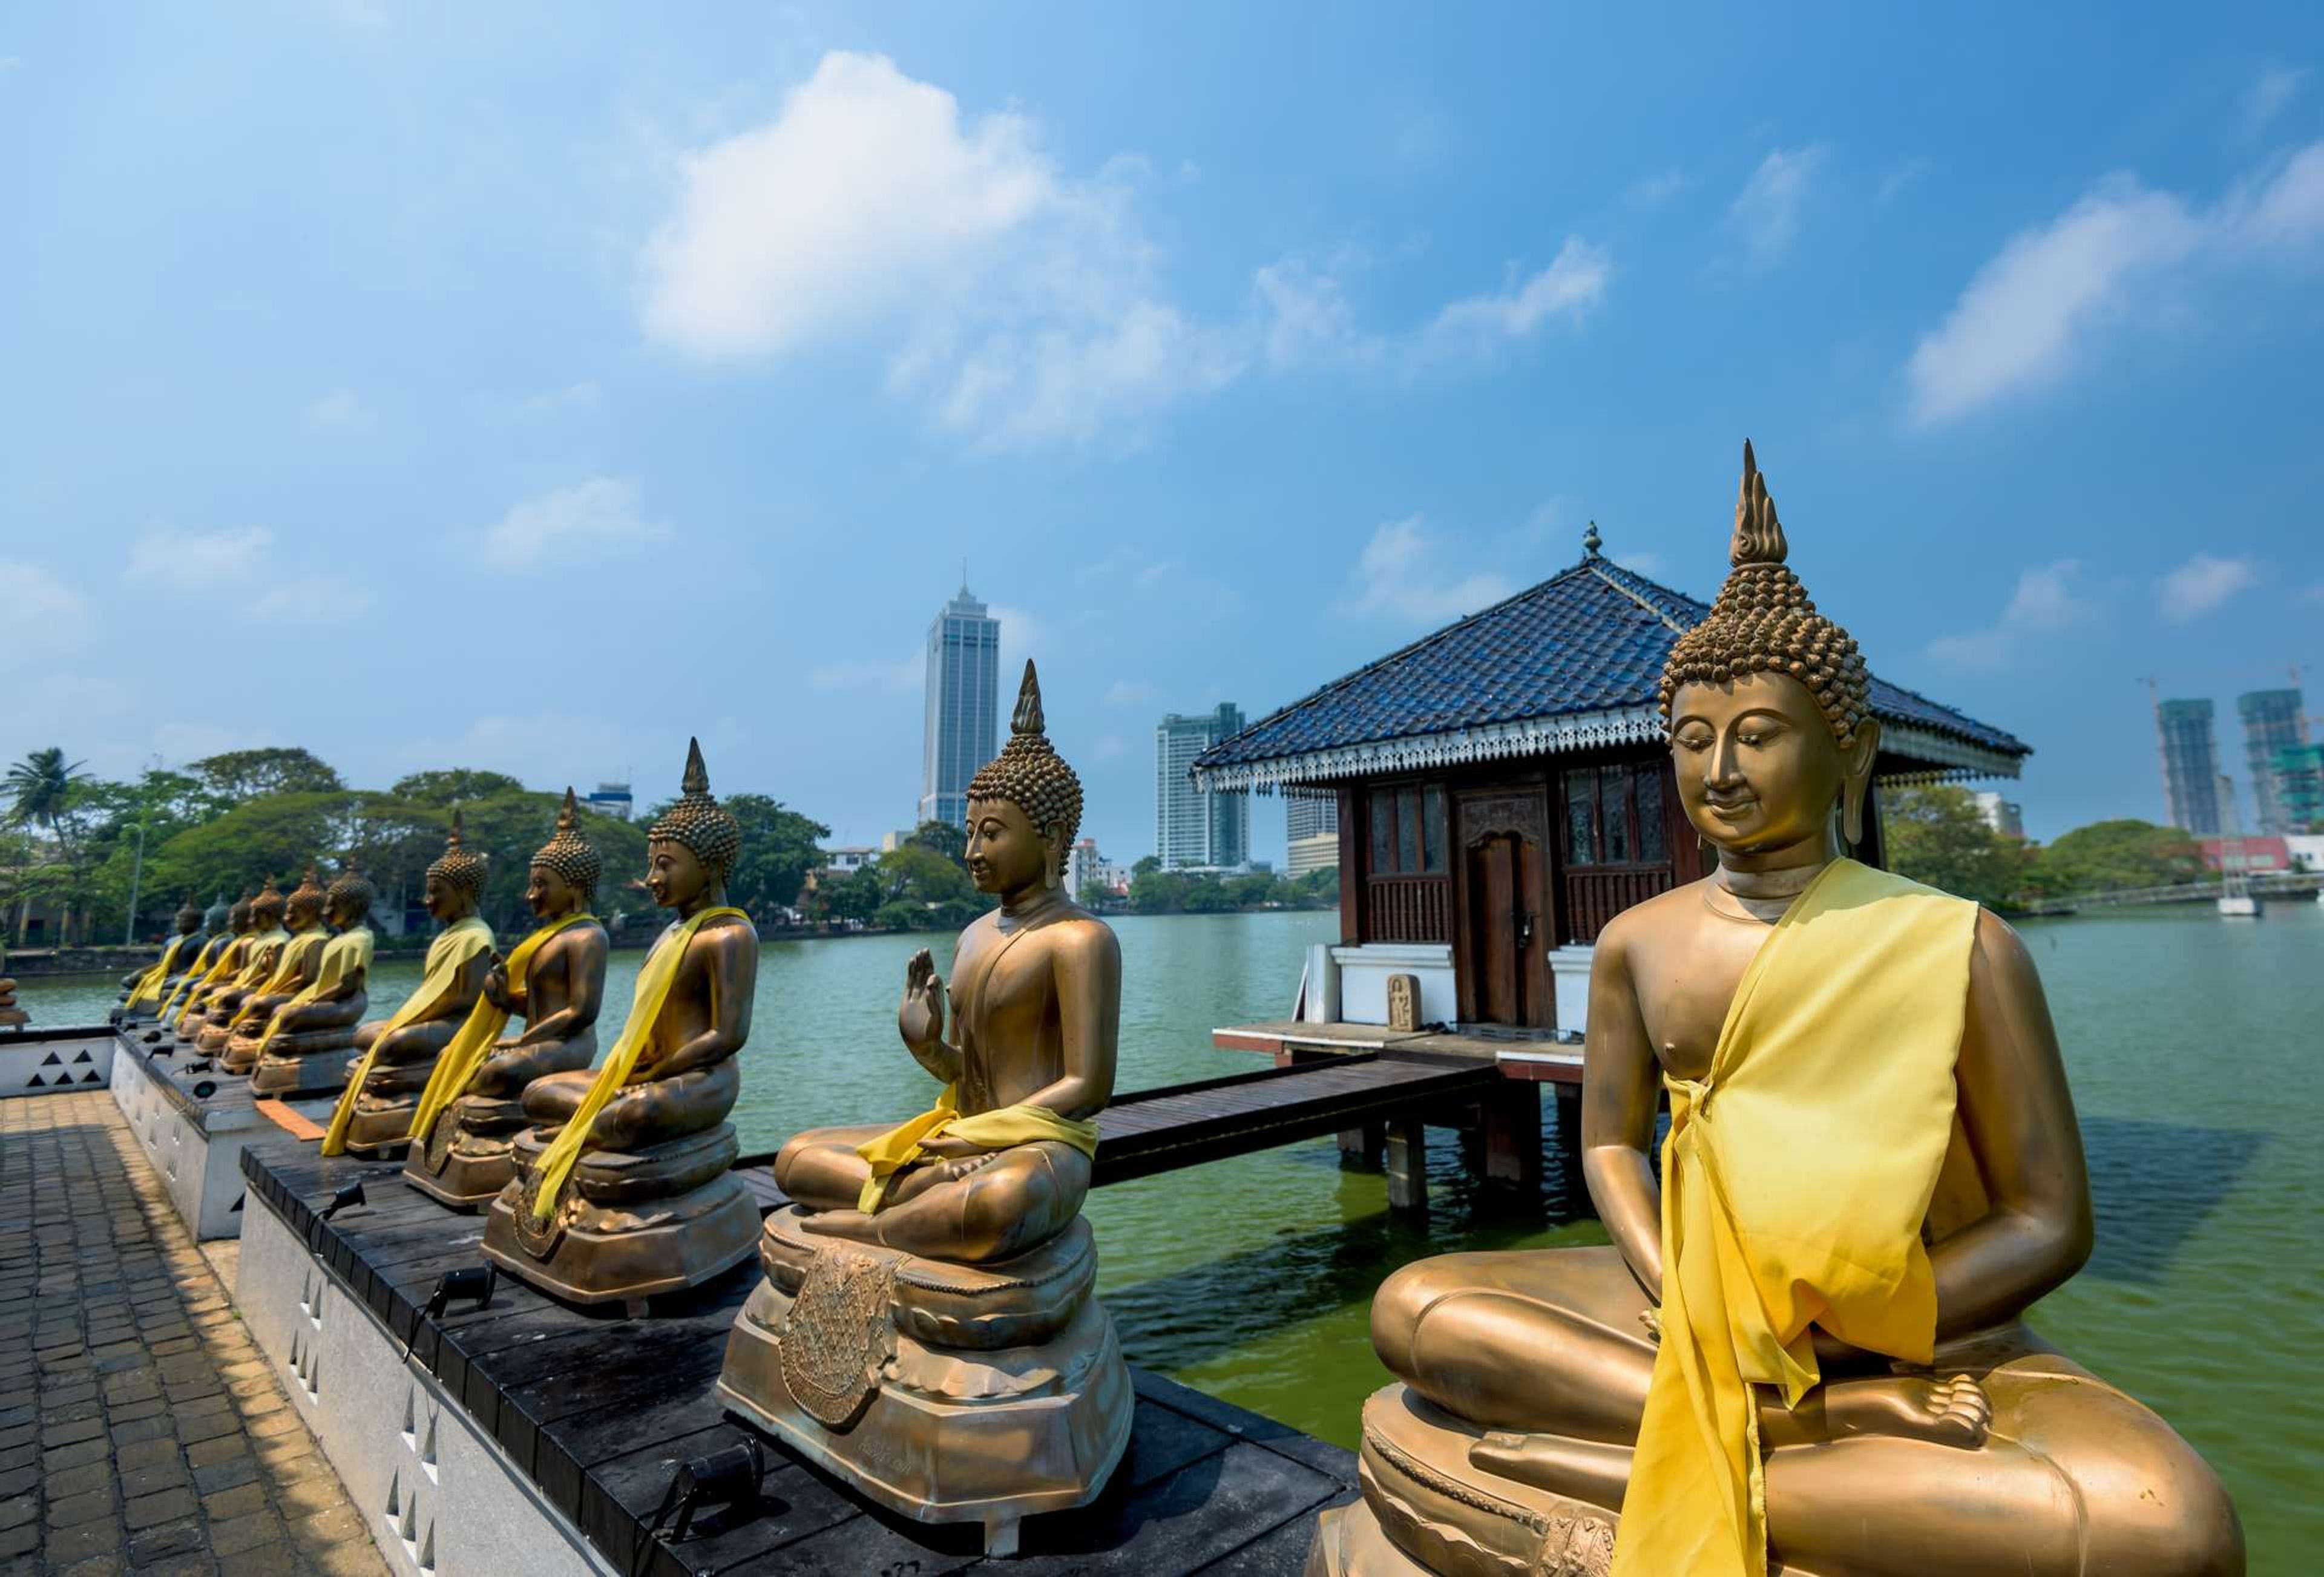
[2273,723]
[1311,833]
[963,707]
[2190,766]
[1191,828]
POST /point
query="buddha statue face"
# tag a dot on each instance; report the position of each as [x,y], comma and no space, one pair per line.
[448,901]
[549,895]
[1758,767]
[1006,852]
[675,875]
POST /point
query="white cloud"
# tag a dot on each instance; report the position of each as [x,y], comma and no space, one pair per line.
[341,411]
[897,677]
[309,599]
[2274,89]
[1304,315]
[540,405]
[600,512]
[1574,283]
[2032,314]
[1767,209]
[197,560]
[1905,175]
[1654,191]
[2203,583]
[1403,576]
[2048,597]
[1130,693]
[37,600]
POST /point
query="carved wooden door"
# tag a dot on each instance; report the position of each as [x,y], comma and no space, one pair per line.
[1502,969]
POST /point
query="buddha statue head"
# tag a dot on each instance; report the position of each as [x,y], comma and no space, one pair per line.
[1765,702]
[1024,806]
[266,908]
[347,903]
[189,917]
[693,844]
[455,881]
[242,917]
[218,918]
[305,911]
[564,870]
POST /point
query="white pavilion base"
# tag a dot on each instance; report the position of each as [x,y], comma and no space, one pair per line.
[440,1498]
[195,1144]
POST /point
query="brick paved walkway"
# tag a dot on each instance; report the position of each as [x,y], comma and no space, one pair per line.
[140,1430]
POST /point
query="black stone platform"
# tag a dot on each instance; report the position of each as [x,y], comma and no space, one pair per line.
[598,1410]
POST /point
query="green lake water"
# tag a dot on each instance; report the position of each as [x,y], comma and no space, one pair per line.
[2193,1044]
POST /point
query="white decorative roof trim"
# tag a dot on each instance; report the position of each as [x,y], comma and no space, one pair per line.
[1957,759]
[1524,736]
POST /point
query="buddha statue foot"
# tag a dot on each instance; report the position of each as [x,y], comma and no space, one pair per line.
[942,1391]
[629,1225]
[214,1037]
[311,1062]
[470,1154]
[1430,1507]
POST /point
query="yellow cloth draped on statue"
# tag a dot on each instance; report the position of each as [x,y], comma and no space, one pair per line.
[149,984]
[257,968]
[288,967]
[457,1065]
[221,969]
[1795,1180]
[342,956]
[654,980]
[447,956]
[906,1144]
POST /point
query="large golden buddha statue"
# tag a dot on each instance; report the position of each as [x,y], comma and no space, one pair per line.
[1805,1348]
[555,979]
[143,991]
[218,962]
[223,1005]
[295,969]
[373,1117]
[623,1188]
[302,1048]
[926,1330]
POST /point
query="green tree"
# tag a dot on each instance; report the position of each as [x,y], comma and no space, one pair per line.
[941,837]
[779,847]
[921,891]
[1156,891]
[452,786]
[46,791]
[856,896]
[1937,834]
[2124,852]
[162,803]
[276,835]
[1146,865]
[240,775]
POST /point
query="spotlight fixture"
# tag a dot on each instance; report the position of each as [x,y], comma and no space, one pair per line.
[348,1193]
[731,1476]
[471,1284]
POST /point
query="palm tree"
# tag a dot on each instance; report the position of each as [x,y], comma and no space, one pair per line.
[42,787]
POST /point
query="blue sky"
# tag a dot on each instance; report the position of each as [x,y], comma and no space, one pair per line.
[528,387]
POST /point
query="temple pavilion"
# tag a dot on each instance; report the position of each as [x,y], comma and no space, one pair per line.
[1504,791]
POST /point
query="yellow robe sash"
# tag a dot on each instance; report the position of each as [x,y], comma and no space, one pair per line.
[447,956]
[289,964]
[221,969]
[258,964]
[149,984]
[905,1144]
[1795,1180]
[654,980]
[450,1078]
[343,956]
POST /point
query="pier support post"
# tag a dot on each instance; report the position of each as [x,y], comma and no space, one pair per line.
[1512,1124]
[1408,1164]
[1362,1147]
[1569,1149]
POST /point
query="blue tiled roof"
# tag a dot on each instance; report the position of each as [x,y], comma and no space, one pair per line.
[1591,640]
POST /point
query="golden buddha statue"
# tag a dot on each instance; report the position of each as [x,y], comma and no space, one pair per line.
[555,979]
[1806,1347]
[926,1331]
[623,1188]
[268,939]
[398,1053]
[302,1048]
[12,1017]
[295,969]
[219,961]
[143,991]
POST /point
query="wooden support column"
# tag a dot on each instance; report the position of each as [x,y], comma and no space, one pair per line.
[1569,1149]
[1363,1147]
[1408,1164]
[1512,1124]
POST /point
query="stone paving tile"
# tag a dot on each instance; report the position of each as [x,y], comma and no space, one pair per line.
[140,1430]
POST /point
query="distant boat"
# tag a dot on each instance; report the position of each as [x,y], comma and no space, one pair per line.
[2240,906]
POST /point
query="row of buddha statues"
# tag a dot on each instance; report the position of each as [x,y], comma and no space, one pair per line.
[1803,1349]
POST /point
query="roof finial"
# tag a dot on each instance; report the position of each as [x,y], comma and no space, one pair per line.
[1592,541]
[1027,718]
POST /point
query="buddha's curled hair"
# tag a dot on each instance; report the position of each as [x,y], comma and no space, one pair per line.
[266,908]
[460,866]
[305,905]
[1764,623]
[1029,773]
[568,853]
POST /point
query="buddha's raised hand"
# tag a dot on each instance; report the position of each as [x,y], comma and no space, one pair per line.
[921,1017]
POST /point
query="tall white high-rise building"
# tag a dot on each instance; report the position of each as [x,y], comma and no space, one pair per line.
[963,707]
[1192,829]
[1311,833]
